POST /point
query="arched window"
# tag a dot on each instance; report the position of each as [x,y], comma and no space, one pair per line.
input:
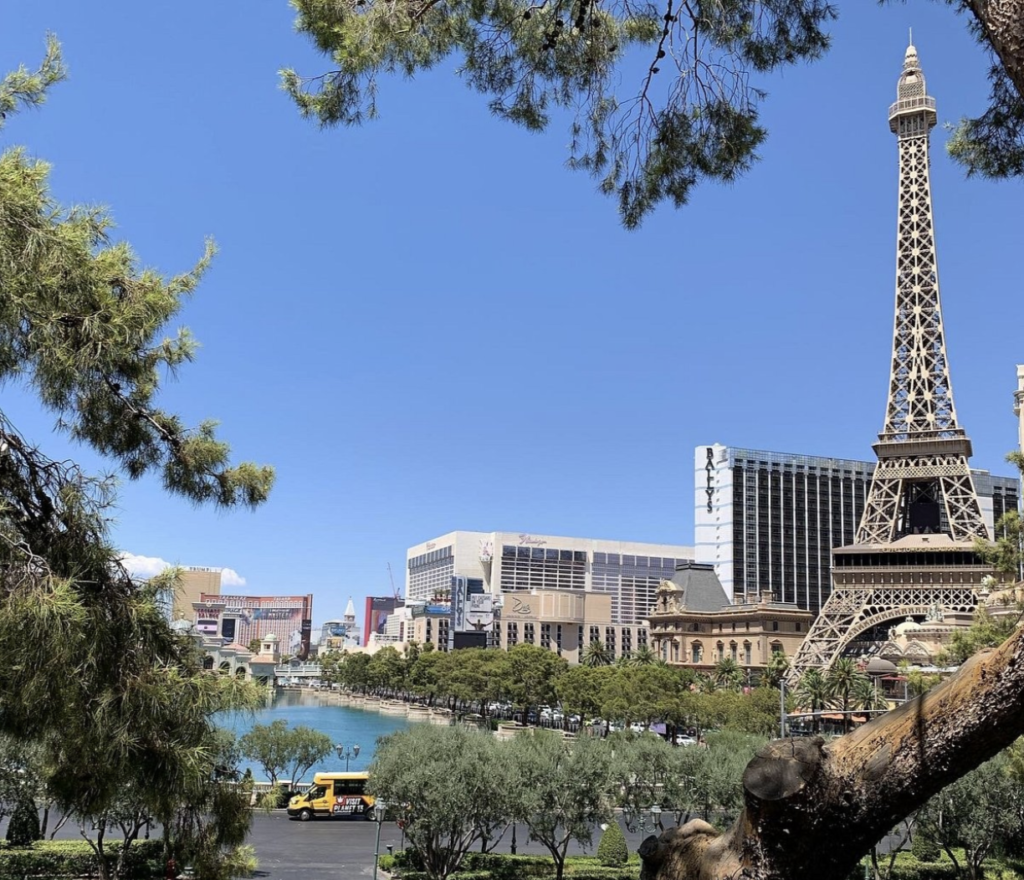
[733,652]
[747,654]
[697,652]
[777,648]
[225,667]
[719,651]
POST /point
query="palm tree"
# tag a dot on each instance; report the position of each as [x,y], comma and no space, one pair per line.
[728,674]
[868,696]
[842,680]
[643,656]
[596,654]
[775,671]
[812,694]
[706,683]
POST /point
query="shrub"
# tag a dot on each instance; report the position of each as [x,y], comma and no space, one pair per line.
[23,829]
[500,866]
[612,851]
[75,858]
[924,848]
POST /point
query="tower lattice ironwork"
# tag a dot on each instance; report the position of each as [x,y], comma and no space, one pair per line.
[914,546]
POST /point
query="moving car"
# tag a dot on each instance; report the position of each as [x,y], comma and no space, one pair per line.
[333,795]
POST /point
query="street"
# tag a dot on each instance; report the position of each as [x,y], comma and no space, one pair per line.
[339,848]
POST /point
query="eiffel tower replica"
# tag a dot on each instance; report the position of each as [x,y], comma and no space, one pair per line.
[914,551]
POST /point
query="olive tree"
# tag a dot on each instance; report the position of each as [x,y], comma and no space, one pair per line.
[566,788]
[452,786]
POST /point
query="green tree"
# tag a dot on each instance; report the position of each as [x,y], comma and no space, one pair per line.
[728,674]
[579,690]
[83,327]
[812,694]
[269,746]
[596,654]
[450,786]
[692,109]
[643,769]
[612,851]
[530,676]
[973,816]
[643,656]
[306,747]
[776,670]
[842,682]
[386,670]
[565,789]
[985,631]
[285,753]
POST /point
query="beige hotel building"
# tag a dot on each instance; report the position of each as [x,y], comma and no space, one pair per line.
[555,592]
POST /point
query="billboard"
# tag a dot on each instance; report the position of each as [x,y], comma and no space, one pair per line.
[378,608]
[244,619]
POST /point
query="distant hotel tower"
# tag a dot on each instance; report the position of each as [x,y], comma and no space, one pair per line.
[768,521]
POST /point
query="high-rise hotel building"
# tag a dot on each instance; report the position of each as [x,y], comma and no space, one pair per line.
[768,521]
[515,562]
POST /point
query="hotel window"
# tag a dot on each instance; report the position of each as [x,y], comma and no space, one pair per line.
[775,626]
[697,652]
[528,633]
[641,636]
[747,654]
[558,638]
[675,652]
[513,634]
[609,639]
[595,633]
[545,635]
[720,654]
[776,647]
[733,651]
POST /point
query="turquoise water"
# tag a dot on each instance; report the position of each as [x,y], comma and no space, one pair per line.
[342,724]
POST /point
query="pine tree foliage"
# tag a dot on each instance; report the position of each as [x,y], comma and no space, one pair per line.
[693,117]
[690,111]
[93,674]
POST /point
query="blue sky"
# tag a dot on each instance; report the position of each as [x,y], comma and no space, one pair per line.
[429,324]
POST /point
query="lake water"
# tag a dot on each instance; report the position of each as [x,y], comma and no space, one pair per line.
[343,724]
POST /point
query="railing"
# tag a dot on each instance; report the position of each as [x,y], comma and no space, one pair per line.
[924,102]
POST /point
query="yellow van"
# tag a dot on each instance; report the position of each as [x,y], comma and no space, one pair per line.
[333,794]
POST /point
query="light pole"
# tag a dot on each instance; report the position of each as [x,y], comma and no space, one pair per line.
[379,808]
[782,708]
[655,817]
[347,753]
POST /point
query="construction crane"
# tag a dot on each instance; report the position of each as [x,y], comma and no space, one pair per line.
[394,590]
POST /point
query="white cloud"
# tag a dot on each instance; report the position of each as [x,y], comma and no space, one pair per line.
[231,578]
[144,566]
[150,566]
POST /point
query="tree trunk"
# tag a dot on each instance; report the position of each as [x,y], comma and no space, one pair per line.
[811,810]
[1002,22]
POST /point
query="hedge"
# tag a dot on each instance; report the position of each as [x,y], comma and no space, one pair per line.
[499,866]
[75,858]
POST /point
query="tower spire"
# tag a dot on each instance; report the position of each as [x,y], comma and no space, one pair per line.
[922,482]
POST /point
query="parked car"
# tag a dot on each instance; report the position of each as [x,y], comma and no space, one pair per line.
[684,739]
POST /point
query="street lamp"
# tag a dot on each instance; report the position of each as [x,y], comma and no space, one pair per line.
[379,809]
[655,816]
[347,753]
